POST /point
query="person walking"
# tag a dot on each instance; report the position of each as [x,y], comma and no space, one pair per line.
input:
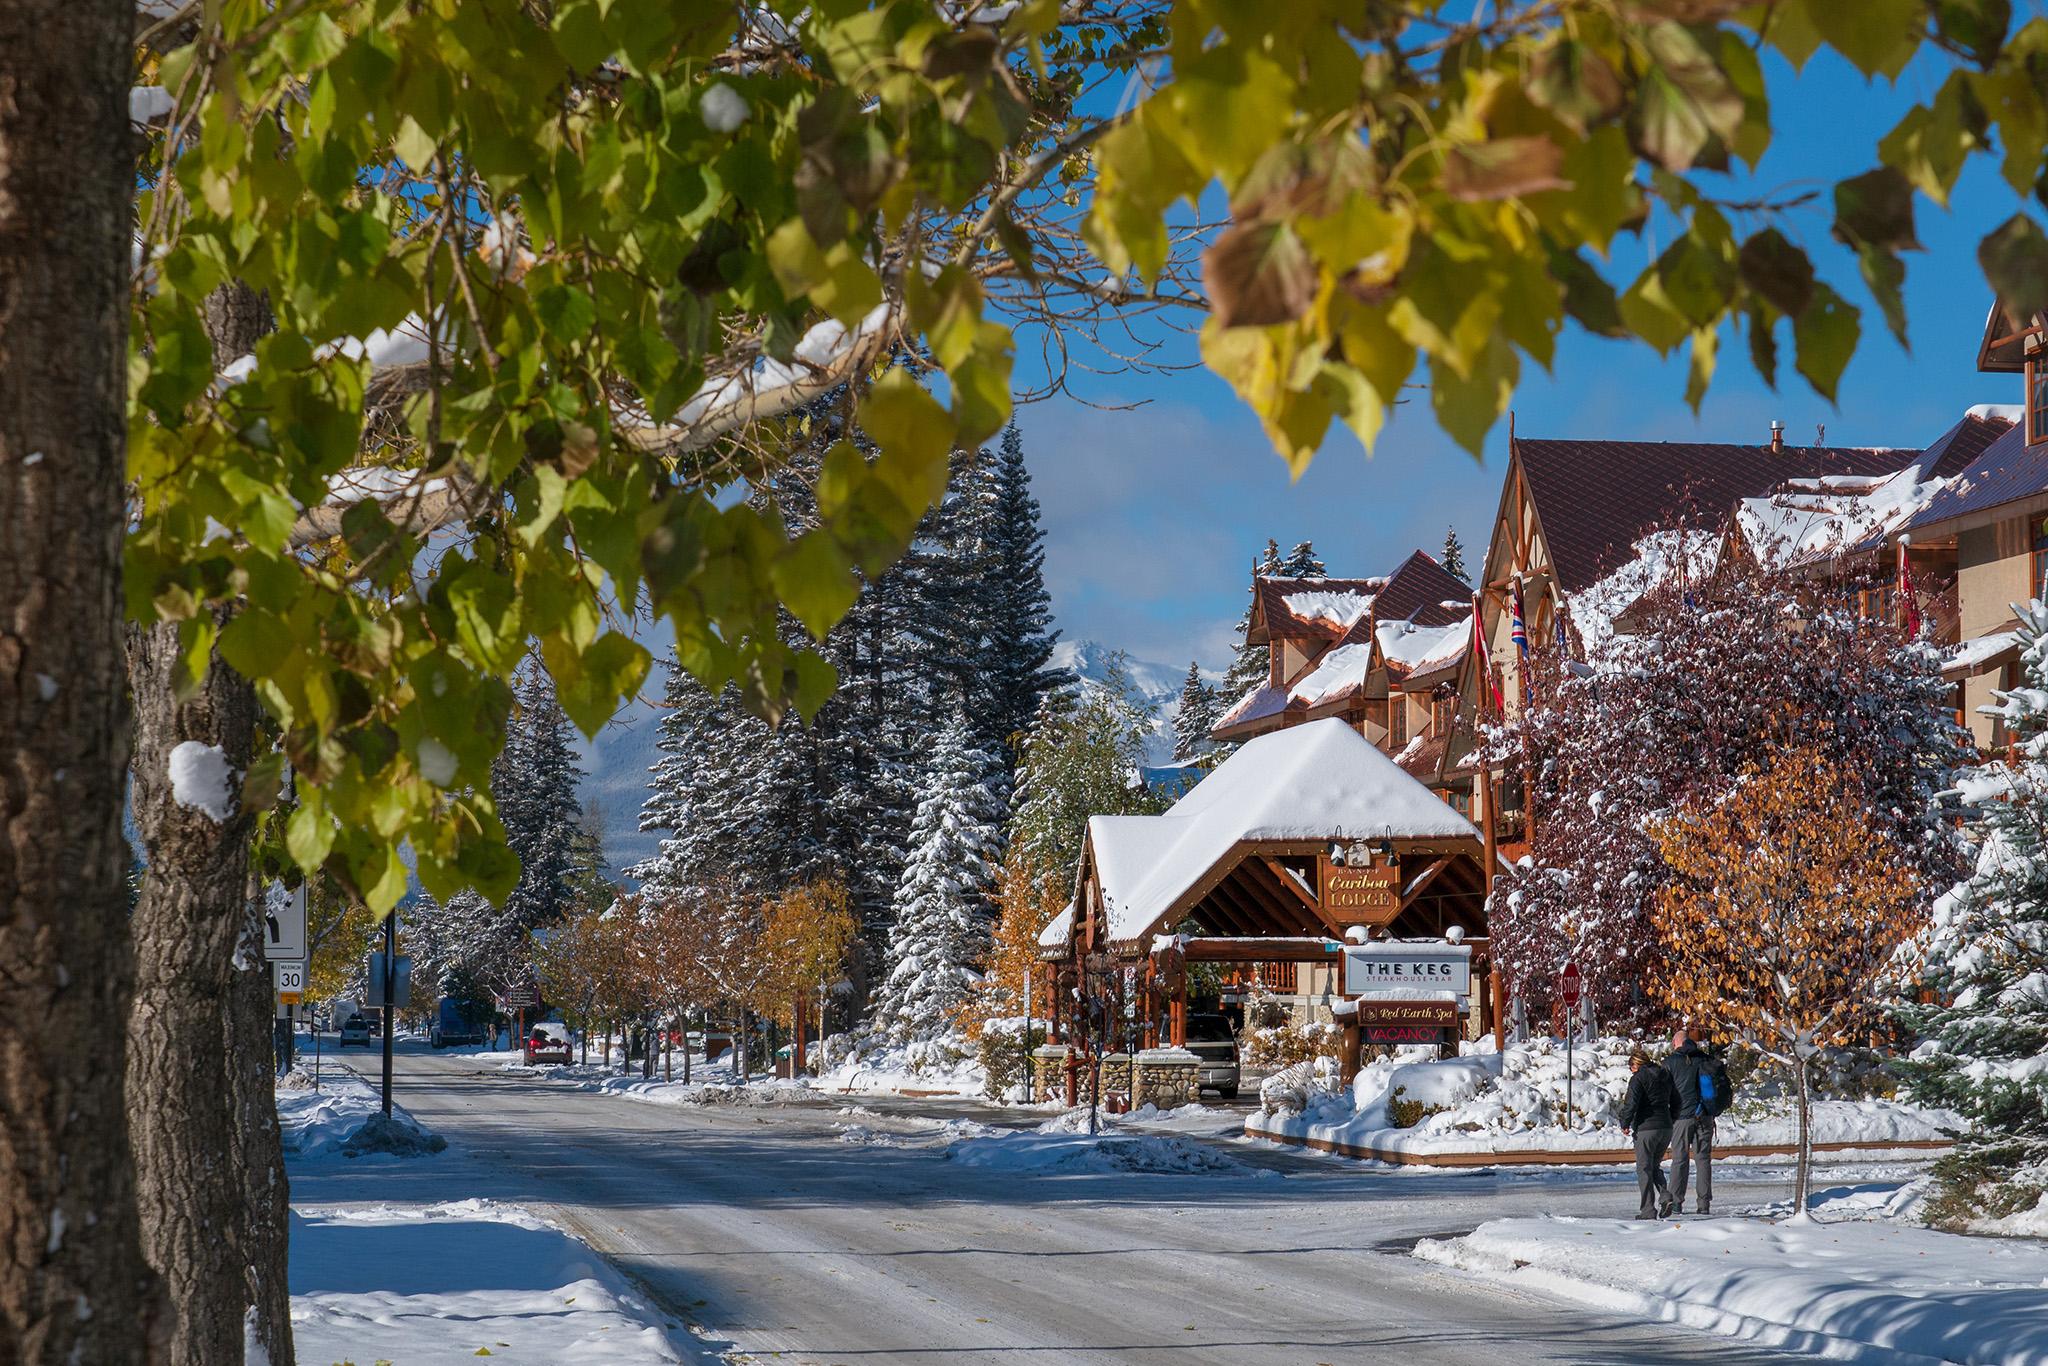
[1646,1112]
[1701,1082]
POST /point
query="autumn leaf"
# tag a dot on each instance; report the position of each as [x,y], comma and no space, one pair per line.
[1257,275]
[1503,169]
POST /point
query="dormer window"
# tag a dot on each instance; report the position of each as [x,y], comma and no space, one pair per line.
[2037,400]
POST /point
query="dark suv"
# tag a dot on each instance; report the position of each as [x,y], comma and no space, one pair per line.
[1210,1039]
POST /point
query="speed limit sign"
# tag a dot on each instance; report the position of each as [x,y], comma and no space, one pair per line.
[291,982]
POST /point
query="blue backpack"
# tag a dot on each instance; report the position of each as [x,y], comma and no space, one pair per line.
[1716,1094]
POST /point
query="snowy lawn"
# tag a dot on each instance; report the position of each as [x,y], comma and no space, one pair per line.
[708,1085]
[424,1284]
[1488,1102]
[436,1285]
[946,1067]
[1853,1290]
[1062,1145]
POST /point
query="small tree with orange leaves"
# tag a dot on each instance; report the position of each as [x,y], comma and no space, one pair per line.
[806,935]
[1787,902]
[1025,905]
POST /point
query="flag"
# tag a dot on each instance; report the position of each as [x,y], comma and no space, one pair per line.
[1909,608]
[1520,633]
[1480,661]
[1564,644]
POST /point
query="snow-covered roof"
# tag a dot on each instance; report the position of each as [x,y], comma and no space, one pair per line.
[1261,702]
[1805,521]
[1317,781]
[1973,656]
[1413,649]
[1341,609]
[1659,556]
[1339,671]
[1059,930]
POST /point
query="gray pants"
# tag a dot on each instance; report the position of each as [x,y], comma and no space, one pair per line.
[1692,1136]
[1650,1146]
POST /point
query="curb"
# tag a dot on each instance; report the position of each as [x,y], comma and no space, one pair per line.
[1575,1157]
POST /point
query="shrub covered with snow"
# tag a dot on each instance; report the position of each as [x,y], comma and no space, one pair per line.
[1003,1050]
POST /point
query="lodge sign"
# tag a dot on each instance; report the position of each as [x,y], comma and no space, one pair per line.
[1431,967]
[1361,896]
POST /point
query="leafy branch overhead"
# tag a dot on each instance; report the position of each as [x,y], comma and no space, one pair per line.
[1411,188]
[553,280]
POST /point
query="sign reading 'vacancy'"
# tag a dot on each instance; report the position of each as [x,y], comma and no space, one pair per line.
[1361,896]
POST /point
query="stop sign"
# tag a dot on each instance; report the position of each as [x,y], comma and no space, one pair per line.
[1569,984]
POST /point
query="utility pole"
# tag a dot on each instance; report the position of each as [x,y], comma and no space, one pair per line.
[390,992]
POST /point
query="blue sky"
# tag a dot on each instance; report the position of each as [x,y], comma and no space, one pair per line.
[1153,515]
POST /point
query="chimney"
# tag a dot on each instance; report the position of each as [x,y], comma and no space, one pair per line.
[1777,437]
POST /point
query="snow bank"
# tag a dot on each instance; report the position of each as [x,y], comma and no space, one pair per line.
[1488,1102]
[1858,1292]
[344,1119]
[941,1067]
[1068,1154]
[479,1279]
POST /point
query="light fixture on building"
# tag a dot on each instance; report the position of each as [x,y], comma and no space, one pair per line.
[1338,853]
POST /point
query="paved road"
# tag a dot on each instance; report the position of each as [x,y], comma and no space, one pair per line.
[776,1238]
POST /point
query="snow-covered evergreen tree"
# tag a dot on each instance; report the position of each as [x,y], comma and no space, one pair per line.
[1302,562]
[940,934]
[1197,713]
[1082,759]
[1251,665]
[1018,672]
[535,779]
[1980,1007]
[1454,555]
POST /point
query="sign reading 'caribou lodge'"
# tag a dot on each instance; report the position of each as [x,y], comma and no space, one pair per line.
[1361,896]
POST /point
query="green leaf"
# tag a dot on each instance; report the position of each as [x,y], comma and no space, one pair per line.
[2015,261]
[1763,342]
[1257,275]
[1699,370]
[1684,100]
[815,581]
[1879,36]
[308,833]
[915,435]
[1468,406]
[1824,336]
[264,782]
[1885,275]
[544,498]
[1774,268]
[1876,208]
[567,313]
[1573,81]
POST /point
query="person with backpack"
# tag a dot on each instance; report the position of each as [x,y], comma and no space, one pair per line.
[1647,1111]
[1701,1081]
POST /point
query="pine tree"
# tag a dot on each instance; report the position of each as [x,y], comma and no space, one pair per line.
[1252,664]
[1196,715]
[1454,555]
[536,779]
[1081,760]
[1302,562]
[1978,1003]
[1019,672]
[940,933]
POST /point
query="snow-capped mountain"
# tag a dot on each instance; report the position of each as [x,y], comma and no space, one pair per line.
[1160,685]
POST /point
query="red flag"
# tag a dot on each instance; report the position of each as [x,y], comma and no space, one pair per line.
[1481,661]
[1909,608]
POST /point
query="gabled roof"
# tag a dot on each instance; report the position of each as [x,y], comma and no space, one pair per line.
[1597,499]
[2003,350]
[1317,782]
[1424,592]
[1308,609]
[2008,472]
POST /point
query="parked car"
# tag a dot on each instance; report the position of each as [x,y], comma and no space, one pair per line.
[1210,1039]
[355,1029]
[450,1029]
[547,1042]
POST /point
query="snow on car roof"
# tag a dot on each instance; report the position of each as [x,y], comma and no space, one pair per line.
[1318,781]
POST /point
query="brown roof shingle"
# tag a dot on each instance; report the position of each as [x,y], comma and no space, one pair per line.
[1596,499]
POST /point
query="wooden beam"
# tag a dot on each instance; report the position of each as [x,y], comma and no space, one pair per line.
[1284,909]
[1263,949]
[1251,910]
[1289,886]
[1423,879]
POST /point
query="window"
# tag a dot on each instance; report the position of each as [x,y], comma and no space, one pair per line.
[1877,601]
[1443,712]
[1397,720]
[2037,563]
[2037,403]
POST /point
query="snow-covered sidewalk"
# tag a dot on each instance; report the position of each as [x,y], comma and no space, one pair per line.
[435,1284]
[1849,1291]
[442,1284]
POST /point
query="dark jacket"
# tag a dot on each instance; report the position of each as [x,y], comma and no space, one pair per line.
[1684,1068]
[1651,1101]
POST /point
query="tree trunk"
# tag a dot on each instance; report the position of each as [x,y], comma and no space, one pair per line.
[74,1285]
[668,1055]
[1803,1179]
[181,1080]
[686,1047]
[257,1150]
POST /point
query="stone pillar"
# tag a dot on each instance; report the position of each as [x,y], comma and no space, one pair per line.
[1165,1077]
[1049,1071]
[1116,1077]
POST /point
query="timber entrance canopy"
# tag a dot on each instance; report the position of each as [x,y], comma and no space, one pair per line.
[1248,853]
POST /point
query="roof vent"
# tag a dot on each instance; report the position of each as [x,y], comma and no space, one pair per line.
[1777,436]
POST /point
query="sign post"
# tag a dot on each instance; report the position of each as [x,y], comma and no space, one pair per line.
[1570,987]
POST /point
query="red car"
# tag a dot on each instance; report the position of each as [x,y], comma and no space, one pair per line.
[547,1043]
